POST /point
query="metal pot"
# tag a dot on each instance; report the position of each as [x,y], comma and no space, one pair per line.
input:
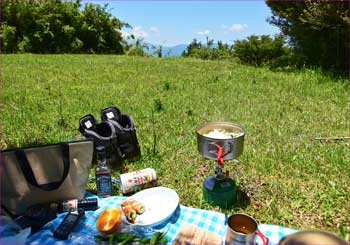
[315,237]
[232,147]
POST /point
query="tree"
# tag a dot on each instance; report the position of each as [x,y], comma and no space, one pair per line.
[45,26]
[261,50]
[191,47]
[100,31]
[318,31]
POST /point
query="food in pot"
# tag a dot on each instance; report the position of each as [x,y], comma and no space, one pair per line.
[222,134]
[109,220]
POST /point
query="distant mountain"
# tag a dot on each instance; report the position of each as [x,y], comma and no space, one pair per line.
[175,50]
[168,51]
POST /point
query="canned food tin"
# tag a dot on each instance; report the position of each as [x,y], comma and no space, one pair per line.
[138,180]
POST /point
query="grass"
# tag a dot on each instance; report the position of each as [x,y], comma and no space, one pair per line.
[290,179]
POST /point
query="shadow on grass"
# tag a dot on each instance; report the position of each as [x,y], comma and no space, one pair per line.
[242,199]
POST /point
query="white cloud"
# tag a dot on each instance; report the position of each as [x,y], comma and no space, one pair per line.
[154,29]
[238,27]
[203,33]
[138,32]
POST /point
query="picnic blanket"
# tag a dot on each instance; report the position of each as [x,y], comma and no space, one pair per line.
[209,220]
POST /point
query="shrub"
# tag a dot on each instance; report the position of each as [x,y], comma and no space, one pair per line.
[262,50]
[208,52]
[59,26]
[139,48]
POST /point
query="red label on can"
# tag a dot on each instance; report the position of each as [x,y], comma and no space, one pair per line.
[137,180]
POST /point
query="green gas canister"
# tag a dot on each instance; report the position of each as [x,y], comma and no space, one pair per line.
[220,190]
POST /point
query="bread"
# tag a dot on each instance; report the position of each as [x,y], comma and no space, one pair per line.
[190,234]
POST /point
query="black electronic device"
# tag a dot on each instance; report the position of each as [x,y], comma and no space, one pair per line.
[64,229]
[36,217]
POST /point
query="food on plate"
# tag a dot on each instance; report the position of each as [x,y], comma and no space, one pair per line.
[131,208]
[130,213]
[138,206]
[222,134]
[109,220]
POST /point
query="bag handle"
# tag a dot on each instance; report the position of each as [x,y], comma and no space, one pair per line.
[28,171]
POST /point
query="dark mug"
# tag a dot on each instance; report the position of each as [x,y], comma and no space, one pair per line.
[243,229]
[315,237]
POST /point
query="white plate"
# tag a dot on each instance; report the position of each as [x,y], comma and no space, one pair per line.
[160,203]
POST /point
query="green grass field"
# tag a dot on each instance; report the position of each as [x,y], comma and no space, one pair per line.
[290,179]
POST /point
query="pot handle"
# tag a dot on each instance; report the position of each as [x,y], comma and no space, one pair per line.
[231,146]
[227,148]
[264,238]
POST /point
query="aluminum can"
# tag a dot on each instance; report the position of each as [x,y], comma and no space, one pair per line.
[138,180]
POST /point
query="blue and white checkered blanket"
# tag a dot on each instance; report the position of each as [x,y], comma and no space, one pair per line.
[209,220]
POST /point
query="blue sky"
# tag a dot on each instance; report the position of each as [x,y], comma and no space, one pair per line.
[169,23]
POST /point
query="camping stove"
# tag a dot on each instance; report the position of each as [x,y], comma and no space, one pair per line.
[220,141]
